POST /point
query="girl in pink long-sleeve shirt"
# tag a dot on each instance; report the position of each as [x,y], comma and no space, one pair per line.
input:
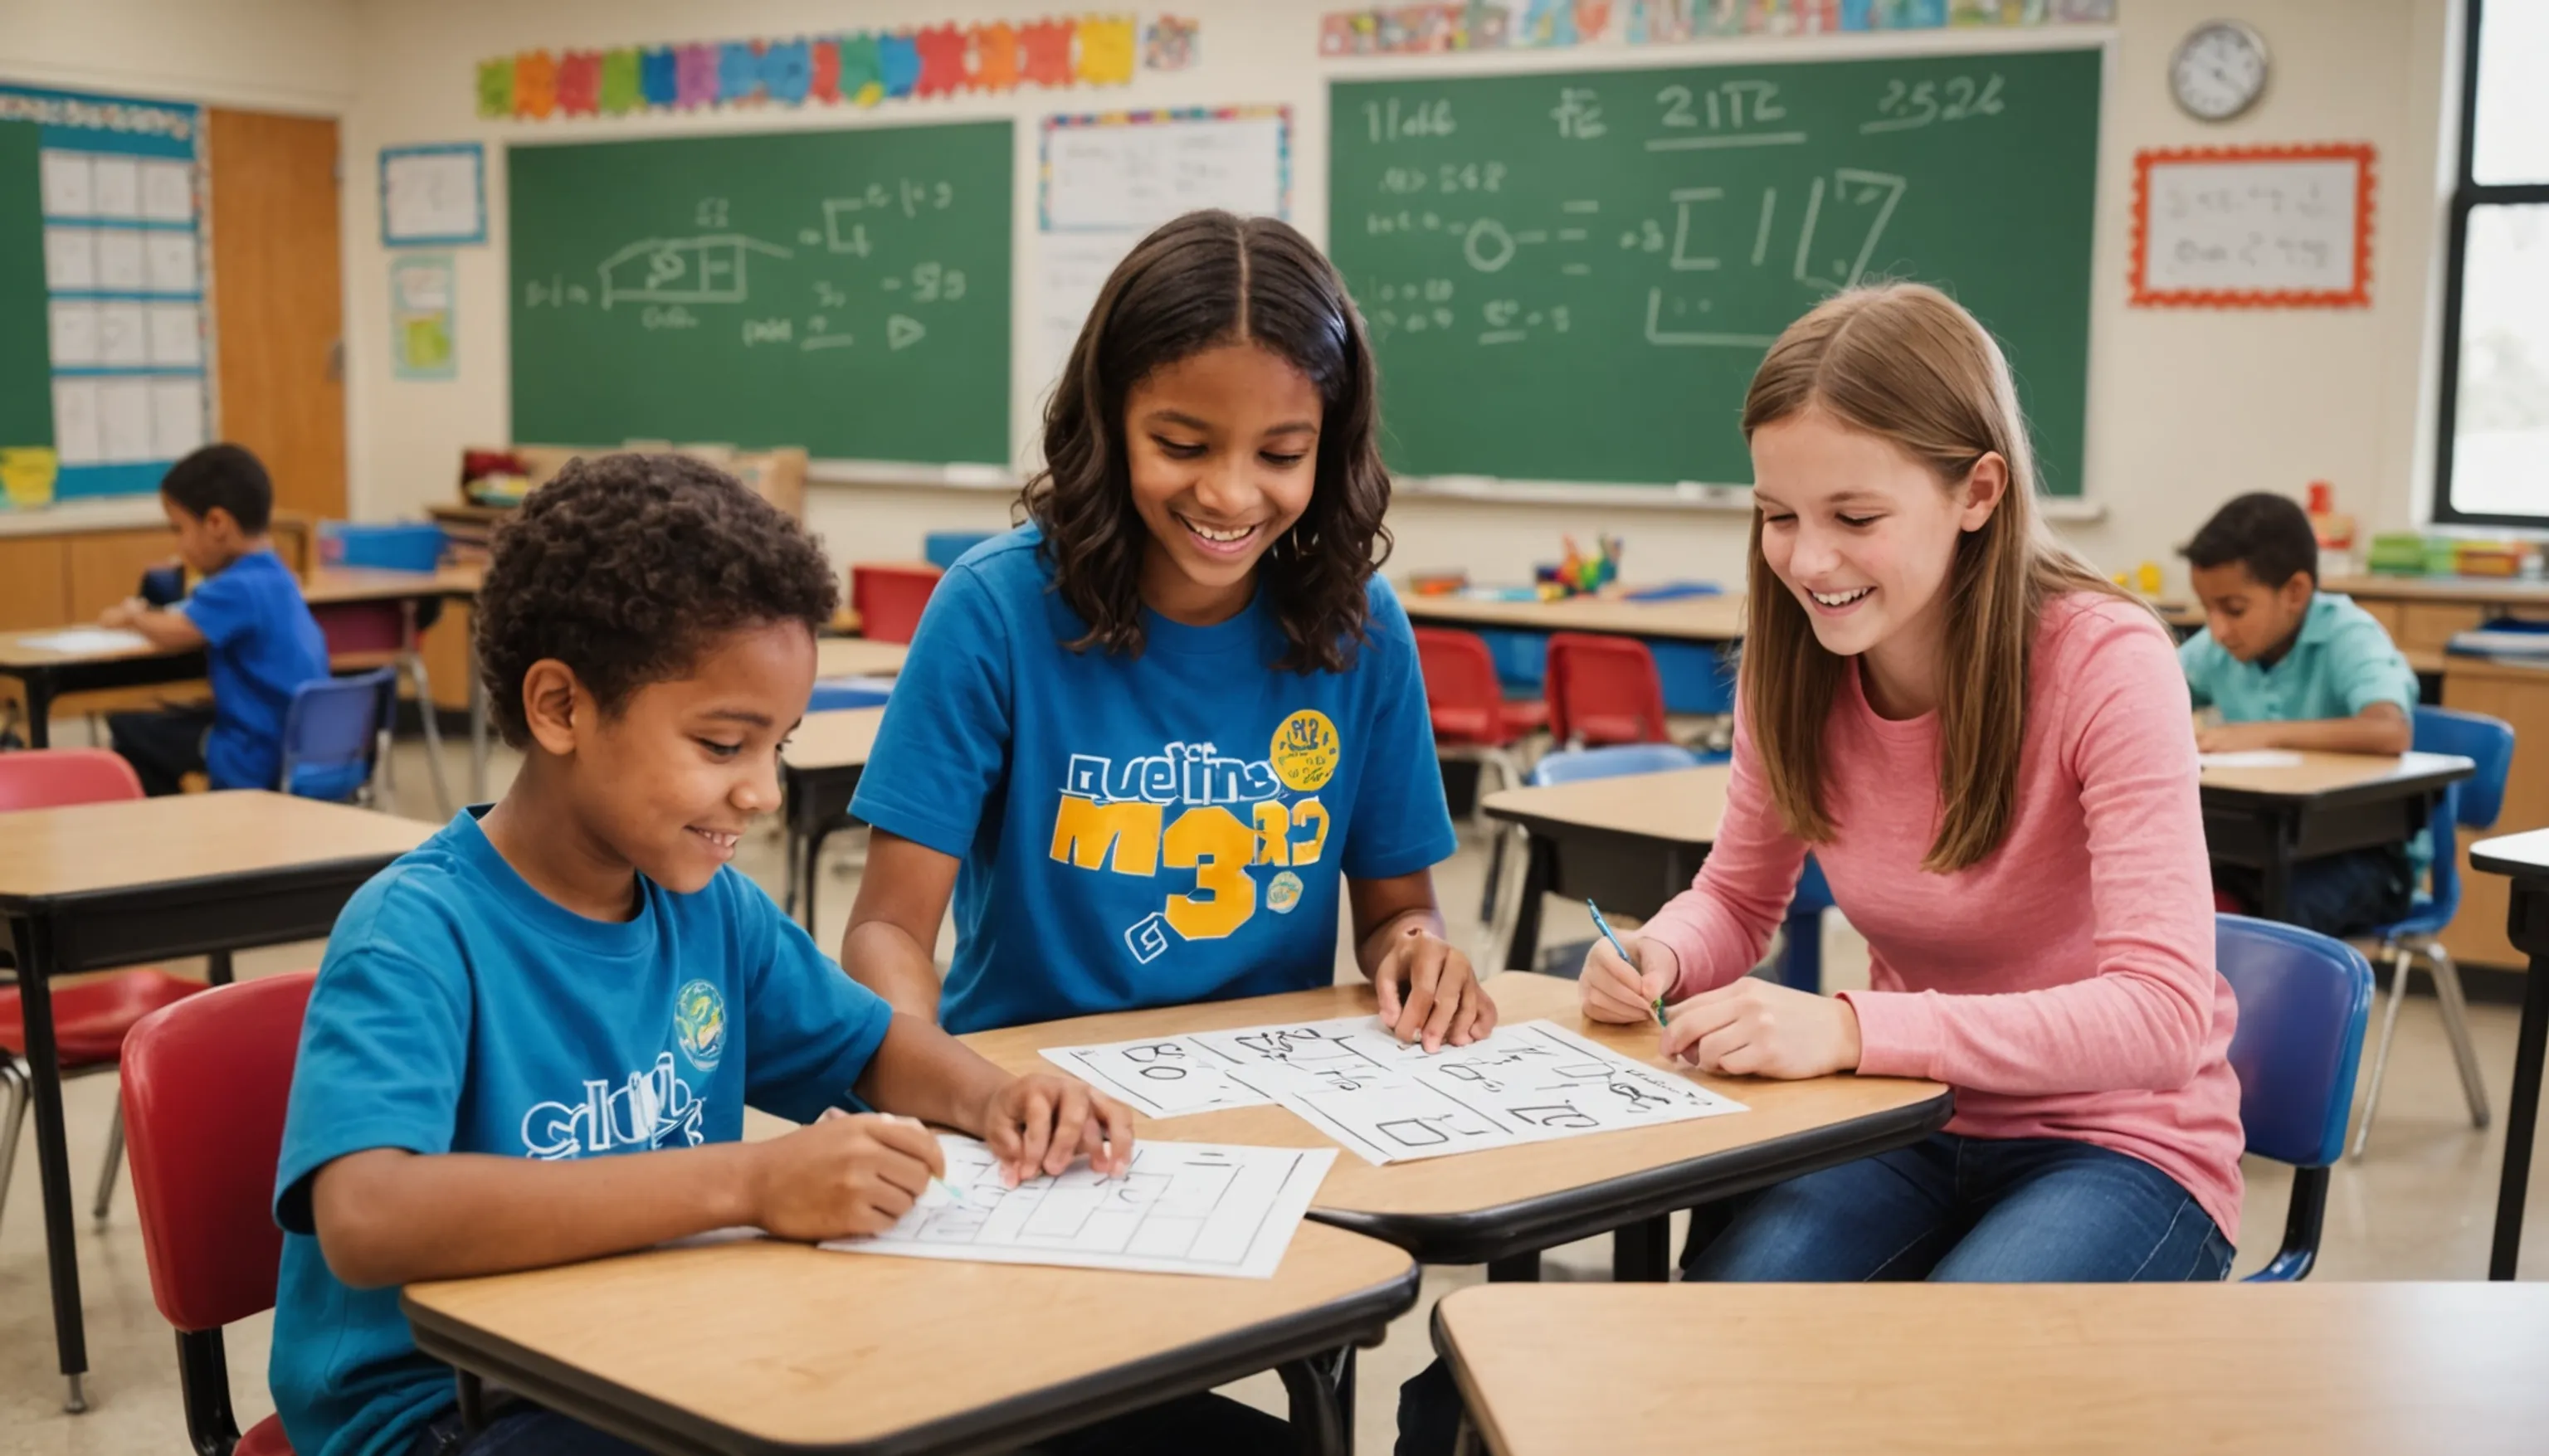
[1986,749]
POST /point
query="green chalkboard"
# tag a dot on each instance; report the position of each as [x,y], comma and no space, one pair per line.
[847,291]
[26,360]
[1571,277]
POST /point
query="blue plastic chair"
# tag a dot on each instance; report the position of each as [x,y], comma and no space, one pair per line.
[333,734]
[2472,804]
[2303,1001]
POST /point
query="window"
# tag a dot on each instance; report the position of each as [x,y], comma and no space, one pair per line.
[2493,457]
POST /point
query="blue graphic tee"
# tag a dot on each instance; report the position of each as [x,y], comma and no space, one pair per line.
[260,645]
[460,1010]
[1152,830]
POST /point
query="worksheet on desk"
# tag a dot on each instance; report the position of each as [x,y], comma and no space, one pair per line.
[1390,1102]
[1183,1208]
[84,641]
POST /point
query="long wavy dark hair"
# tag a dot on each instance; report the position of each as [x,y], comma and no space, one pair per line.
[1205,279]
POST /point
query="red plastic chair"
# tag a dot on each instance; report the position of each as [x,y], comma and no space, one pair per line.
[1472,720]
[1603,690]
[205,1085]
[90,1018]
[889,597]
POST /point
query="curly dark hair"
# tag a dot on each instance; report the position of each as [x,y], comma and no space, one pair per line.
[1201,280]
[623,568]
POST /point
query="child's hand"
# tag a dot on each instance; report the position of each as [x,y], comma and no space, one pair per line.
[1625,992]
[1427,989]
[2231,738]
[843,1174]
[124,613]
[1037,1124]
[1754,1028]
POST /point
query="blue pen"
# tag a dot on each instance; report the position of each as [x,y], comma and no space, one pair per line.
[1613,937]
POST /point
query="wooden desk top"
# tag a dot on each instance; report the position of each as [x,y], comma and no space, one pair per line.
[786,1345]
[2525,855]
[16,652]
[88,848]
[835,740]
[2478,591]
[856,657]
[1475,1183]
[1678,805]
[331,585]
[1684,618]
[1974,1369]
[2322,773]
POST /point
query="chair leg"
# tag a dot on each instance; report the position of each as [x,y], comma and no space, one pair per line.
[2401,960]
[414,665]
[2447,990]
[13,1116]
[114,1164]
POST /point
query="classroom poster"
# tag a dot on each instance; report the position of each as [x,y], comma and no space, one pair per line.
[124,286]
[423,294]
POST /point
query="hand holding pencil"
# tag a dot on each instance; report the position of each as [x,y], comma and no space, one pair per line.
[1624,986]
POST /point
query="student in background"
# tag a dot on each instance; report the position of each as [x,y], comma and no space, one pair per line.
[1152,739]
[576,971]
[2286,666]
[1985,746]
[248,615]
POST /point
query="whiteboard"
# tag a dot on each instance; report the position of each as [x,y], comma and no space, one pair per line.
[2280,226]
[1108,179]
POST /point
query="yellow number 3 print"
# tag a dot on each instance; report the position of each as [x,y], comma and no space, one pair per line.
[1218,847]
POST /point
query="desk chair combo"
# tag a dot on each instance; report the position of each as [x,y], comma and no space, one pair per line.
[2303,1000]
[2471,805]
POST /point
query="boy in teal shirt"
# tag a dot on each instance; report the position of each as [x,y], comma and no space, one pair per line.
[2286,666]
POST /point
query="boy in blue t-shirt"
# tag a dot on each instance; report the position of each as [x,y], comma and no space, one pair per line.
[532,1038]
[248,615]
[2286,666]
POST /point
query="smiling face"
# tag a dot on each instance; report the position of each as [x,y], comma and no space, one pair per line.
[670,781]
[1222,448]
[1864,536]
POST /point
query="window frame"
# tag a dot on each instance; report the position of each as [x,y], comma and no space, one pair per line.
[2469,195]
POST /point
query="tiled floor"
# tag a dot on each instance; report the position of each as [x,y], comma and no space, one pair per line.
[2419,1207]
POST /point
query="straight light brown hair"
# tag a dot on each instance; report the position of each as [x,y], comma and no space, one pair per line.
[1907,364]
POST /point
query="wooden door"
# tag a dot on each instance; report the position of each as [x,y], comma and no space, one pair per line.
[278,306]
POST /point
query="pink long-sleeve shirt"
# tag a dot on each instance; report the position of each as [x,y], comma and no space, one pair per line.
[2064,985]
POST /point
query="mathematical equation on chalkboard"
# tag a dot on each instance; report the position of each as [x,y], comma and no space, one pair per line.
[871,298]
[1504,264]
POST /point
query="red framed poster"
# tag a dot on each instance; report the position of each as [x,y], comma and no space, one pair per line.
[2253,226]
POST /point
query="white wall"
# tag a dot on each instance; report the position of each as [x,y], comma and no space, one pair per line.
[2186,407]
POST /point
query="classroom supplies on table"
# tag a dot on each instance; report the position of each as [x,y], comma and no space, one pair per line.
[1183,1208]
[1389,1101]
[2506,637]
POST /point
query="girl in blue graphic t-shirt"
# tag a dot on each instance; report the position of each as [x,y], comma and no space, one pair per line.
[1150,739]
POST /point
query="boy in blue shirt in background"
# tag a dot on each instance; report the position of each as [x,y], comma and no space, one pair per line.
[2286,666]
[247,614]
[532,1038]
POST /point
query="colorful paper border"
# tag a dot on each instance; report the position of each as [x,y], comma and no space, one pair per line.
[1152,117]
[2361,153]
[1454,26]
[860,69]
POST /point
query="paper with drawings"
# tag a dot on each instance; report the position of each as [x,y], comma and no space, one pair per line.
[1183,1208]
[82,640]
[1391,1103]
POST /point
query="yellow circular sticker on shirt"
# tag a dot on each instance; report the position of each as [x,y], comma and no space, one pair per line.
[1305,751]
[1284,894]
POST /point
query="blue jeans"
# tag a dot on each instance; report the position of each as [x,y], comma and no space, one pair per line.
[2339,895]
[1965,1210]
[1975,1210]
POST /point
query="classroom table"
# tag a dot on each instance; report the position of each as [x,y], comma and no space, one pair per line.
[1717,618]
[1986,1369]
[857,657]
[818,776]
[762,1347]
[2269,818]
[1503,1206]
[95,886]
[1630,841]
[2525,857]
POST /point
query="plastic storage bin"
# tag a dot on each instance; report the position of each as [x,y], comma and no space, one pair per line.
[410,546]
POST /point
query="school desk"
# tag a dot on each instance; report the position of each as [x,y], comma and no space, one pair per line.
[1680,619]
[1631,843]
[819,775]
[1503,1206]
[2001,1369]
[2270,818]
[44,674]
[2525,857]
[95,886]
[856,657]
[761,1346]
